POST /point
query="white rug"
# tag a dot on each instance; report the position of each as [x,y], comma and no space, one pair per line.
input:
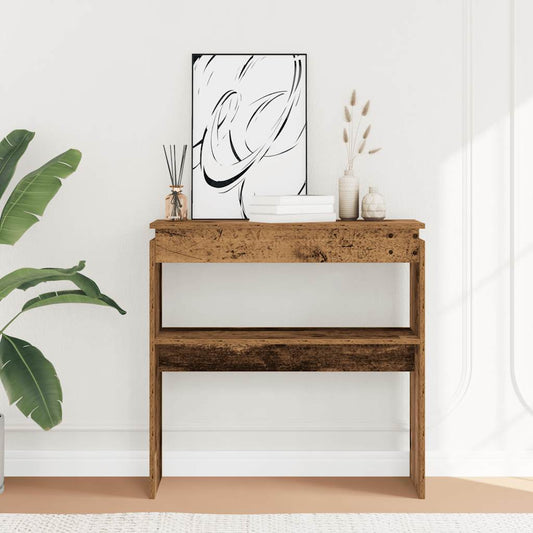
[273,523]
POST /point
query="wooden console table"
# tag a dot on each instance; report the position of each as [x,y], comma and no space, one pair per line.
[289,349]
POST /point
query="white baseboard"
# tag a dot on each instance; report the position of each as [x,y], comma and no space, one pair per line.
[264,463]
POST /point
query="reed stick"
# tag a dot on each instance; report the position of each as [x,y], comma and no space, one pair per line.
[175,174]
[182,165]
[168,165]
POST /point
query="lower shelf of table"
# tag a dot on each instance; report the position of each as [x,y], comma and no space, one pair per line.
[286,349]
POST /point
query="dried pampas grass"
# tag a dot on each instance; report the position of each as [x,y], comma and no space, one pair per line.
[347,114]
[355,145]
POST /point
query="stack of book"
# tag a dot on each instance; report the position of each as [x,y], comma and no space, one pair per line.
[292,209]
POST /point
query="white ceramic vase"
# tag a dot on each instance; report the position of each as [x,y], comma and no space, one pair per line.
[373,205]
[348,196]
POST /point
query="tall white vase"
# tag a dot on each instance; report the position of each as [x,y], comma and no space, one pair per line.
[348,196]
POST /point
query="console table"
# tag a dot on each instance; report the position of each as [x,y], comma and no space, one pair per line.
[289,349]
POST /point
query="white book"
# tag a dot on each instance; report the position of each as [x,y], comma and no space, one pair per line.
[288,209]
[295,218]
[294,200]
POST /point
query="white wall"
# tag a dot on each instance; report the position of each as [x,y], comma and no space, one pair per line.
[113,79]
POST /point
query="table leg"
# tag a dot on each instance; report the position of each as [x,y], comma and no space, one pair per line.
[155,376]
[417,377]
[417,431]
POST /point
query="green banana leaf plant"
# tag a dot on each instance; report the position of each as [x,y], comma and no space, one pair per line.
[30,380]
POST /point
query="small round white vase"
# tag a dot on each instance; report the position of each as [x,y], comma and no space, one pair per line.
[373,205]
[348,196]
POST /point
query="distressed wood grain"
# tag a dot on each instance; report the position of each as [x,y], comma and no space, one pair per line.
[289,336]
[247,242]
[417,376]
[155,375]
[269,357]
[290,349]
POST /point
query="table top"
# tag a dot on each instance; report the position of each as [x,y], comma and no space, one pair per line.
[398,224]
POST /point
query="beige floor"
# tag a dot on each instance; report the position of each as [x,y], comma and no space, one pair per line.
[266,495]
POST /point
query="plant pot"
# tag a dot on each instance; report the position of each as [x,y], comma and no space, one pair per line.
[348,196]
[2,440]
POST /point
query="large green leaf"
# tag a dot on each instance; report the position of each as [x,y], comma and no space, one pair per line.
[70,297]
[11,149]
[25,278]
[33,193]
[30,381]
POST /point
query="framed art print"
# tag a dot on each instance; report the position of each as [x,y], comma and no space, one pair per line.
[249,130]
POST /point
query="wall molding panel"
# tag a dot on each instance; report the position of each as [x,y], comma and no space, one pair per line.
[515,205]
[466,198]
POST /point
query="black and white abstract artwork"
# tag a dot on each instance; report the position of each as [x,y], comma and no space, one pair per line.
[248,130]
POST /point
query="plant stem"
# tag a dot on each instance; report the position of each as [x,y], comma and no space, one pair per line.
[10,322]
[348,155]
[355,138]
[352,139]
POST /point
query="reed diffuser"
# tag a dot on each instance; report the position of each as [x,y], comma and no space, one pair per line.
[176,201]
[355,143]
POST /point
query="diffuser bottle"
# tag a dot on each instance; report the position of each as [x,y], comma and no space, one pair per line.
[176,204]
